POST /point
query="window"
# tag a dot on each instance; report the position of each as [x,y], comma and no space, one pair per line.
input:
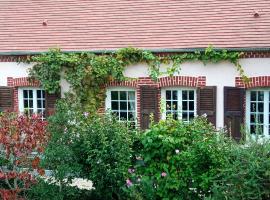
[32,100]
[257,112]
[122,102]
[180,103]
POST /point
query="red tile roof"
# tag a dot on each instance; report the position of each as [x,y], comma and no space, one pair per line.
[148,24]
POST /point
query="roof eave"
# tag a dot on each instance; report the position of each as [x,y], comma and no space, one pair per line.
[166,50]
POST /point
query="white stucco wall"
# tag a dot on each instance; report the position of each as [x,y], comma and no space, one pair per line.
[220,75]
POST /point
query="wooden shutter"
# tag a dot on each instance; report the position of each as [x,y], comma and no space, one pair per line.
[234,110]
[149,104]
[6,98]
[50,101]
[207,103]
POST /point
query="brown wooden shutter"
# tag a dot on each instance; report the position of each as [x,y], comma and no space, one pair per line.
[50,101]
[234,110]
[149,104]
[6,98]
[207,103]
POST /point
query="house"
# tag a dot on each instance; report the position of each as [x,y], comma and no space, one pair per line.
[161,26]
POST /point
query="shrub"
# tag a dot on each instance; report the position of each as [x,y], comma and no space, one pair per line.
[21,137]
[178,160]
[247,174]
[97,148]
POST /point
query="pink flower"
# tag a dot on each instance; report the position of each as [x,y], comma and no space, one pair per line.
[129,183]
[131,171]
[163,174]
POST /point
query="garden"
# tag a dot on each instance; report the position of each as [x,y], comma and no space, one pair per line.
[79,154]
[171,160]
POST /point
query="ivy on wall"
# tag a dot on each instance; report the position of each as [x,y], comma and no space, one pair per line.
[87,72]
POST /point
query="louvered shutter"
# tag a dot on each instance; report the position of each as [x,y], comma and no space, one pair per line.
[234,110]
[207,103]
[6,98]
[149,104]
[50,101]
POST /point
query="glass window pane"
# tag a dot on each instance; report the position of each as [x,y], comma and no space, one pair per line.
[191,95]
[260,107]
[123,115]
[43,104]
[174,105]
[39,104]
[191,105]
[175,115]
[191,115]
[253,107]
[168,105]
[30,103]
[114,105]
[253,96]
[114,95]
[131,116]
[252,129]
[260,119]
[174,94]
[25,103]
[25,94]
[123,95]
[184,95]
[184,104]
[260,95]
[30,92]
[131,95]
[43,94]
[185,116]
[253,118]
[38,93]
[123,105]
[168,95]
[131,105]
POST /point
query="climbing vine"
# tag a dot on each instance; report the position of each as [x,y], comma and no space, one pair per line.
[88,72]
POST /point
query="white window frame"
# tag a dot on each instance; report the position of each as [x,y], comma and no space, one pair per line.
[179,97]
[108,97]
[21,98]
[266,112]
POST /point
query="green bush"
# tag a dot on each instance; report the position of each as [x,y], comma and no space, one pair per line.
[178,161]
[247,174]
[97,148]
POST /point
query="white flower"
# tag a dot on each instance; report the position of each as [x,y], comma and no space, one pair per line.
[204,115]
[177,151]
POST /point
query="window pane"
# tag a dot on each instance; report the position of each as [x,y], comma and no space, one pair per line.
[131,105]
[168,105]
[114,95]
[260,119]
[175,115]
[253,107]
[25,94]
[131,116]
[260,95]
[168,95]
[174,105]
[30,92]
[184,95]
[253,96]
[131,95]
[123,105]
[123,95]
[30,103]
[191,115]
[174,95]
[191,105]
[123,115]
[191,95]
[38,93]
[253,118]
[114,105]
[185,116]
[39,104]
[252,129]
[184,104]
[25,103]
[260,107]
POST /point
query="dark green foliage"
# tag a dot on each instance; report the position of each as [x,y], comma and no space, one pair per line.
[247,174]
[97,148]
[181,160]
